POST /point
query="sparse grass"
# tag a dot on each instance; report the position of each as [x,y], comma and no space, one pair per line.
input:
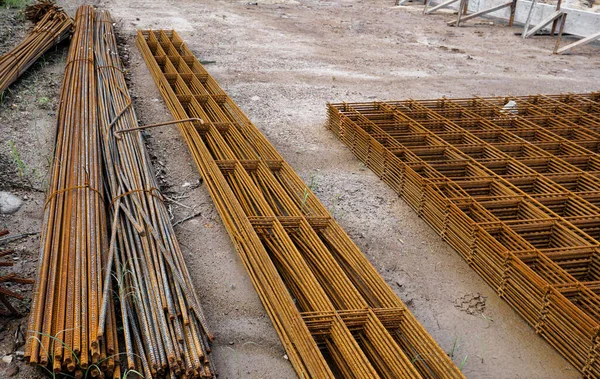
[43,101]
[455,346]
[334,207]
[16,4]
[21,166]
[4,94]
[312,186]
[463,362]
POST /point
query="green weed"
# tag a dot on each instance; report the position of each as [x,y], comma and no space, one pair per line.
[16,4]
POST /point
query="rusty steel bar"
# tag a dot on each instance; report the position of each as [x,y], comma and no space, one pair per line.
[62,330]
[12,277]
[52,25]
[334,314]
[512,183]
[160,310]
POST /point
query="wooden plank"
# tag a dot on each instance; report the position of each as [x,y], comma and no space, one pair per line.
[544,22]
[526,28]
[480,13]
[581,42]
[440,6]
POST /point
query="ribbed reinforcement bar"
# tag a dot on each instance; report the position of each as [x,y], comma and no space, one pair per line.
[334,314]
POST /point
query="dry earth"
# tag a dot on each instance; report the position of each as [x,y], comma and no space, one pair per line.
[281,61]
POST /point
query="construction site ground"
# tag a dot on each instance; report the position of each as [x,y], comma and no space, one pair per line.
[282,61]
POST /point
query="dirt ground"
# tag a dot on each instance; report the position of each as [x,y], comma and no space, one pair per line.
[282,61]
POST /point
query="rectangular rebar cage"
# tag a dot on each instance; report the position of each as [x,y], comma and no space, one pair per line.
[514,187]
[335,315]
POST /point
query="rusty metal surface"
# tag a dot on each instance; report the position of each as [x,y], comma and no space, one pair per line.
[10,277]
[160,312]
[335,316]
[513,184]
[109,306]
[62,330]
[52,25]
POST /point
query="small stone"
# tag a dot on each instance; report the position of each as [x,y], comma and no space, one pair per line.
[231,342]
[285,357]
[12,370]
[9,203]
[7,358]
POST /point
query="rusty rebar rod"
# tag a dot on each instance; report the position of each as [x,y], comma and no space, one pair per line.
[52,25]
[160,312]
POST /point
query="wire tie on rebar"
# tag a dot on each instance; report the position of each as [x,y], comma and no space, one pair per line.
[149,191]
[111,66]
[53,194]
[77,60]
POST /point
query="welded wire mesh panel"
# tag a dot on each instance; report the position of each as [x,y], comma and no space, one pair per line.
[335,315]
[512,183]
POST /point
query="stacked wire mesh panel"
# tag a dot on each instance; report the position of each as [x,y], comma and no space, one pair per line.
[513,184]
[334,314]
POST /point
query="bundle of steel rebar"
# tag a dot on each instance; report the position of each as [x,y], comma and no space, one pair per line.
[513,184]
[335,315]
[63,325]
[165,332]
[52,25]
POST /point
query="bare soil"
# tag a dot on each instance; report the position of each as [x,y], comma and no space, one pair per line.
[282,61]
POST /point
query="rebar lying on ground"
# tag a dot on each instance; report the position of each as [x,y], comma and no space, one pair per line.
[11,277]
[513,184]
[164,329]
[334,314]
[52,25]
[64,316]
[82,274]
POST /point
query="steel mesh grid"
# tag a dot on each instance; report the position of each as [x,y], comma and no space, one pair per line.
[514,190]
[333,312]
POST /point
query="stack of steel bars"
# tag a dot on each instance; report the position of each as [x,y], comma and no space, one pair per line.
[52,26]
[334,314]
[11,277]
[82,274]
[513,184]
[66,303]
[164,328]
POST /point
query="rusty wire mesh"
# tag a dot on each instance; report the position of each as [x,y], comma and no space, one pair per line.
[334,314]
[513,184]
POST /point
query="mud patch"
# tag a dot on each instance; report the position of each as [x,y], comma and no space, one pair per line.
[471,303]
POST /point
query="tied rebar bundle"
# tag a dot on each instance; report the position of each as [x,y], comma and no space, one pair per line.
[52,25]
[92,291]
[165,332]
[64,316]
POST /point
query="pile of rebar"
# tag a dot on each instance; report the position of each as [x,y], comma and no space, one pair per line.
[164,328]
[513,184]
[66,303]
[10,277]
[334,314]
[105,306]
[52,25]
